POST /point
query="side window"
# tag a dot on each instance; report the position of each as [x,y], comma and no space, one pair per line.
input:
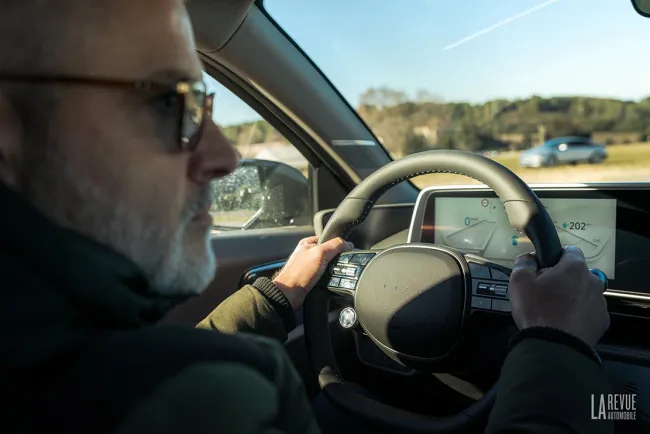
[270,189]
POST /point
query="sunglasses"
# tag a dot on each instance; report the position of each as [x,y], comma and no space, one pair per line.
[192,98]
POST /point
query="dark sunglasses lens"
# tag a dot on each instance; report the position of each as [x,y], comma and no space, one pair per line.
[193,116]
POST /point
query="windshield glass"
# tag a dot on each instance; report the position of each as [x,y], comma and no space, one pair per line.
[491,76]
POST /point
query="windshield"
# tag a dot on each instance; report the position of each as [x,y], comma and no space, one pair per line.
[490,76]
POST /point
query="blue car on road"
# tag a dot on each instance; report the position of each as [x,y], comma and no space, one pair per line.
[563,150]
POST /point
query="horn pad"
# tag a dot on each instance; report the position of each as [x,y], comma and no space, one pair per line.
[411,300]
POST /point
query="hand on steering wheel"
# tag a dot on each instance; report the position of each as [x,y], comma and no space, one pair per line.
[566,297]
[306,265]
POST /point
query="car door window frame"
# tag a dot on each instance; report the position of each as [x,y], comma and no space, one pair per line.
[271,113]
[329,183]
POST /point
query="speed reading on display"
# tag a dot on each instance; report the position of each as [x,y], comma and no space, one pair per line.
[480,226]
[578,226]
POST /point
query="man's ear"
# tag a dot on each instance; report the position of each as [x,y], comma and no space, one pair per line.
[11,142]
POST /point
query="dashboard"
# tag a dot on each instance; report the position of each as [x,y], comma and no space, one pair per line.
[610,223]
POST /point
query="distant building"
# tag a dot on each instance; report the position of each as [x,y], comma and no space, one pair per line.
[615,138]
[513,140]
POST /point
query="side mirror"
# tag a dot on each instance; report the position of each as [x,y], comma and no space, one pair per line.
[262,194]
[642,7]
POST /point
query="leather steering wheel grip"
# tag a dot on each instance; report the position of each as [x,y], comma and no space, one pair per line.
[524,209]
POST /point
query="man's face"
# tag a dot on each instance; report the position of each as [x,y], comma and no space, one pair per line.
[112,168]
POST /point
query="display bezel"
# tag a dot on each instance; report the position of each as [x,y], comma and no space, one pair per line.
[632,215]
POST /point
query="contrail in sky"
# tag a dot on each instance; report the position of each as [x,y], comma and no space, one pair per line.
[501,23]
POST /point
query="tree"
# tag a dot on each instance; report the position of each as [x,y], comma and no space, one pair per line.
[383,97]
[408,125]
[423,96]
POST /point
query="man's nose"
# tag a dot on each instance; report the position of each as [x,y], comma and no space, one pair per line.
[214,157]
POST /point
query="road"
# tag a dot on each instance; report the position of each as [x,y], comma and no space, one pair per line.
[625,163]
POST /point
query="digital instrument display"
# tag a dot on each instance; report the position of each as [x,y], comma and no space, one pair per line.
[479,225]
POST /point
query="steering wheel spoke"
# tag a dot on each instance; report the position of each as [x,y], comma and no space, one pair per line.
[490,285]
[343,273]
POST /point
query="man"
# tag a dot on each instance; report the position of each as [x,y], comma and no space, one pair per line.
[104,227]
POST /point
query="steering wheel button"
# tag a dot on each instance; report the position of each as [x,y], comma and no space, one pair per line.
[348,318]
[344,259]
[351,272]
[499,275]
[501,290]
[361,258]
[483,288]
[501,305]
[348,284]
[481,303]
[478,271]
[334,282]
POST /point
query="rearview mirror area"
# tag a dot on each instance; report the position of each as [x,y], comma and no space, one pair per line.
[261,194]
[642,7]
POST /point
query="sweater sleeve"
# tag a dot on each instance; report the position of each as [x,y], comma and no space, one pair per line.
[260,308]
[548,383]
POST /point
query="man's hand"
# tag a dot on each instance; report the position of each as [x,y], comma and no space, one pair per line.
[306,265]
[566,297]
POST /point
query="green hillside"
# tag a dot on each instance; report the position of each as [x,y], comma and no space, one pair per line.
[406,125]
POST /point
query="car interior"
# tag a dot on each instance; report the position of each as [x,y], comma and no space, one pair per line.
[418,313]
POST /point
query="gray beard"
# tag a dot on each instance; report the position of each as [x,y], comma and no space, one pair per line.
[171,266]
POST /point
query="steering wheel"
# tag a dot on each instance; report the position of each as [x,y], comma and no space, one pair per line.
[413,300]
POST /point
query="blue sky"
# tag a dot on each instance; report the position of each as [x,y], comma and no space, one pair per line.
[468,50]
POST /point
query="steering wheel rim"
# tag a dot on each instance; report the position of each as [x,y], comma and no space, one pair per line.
[525,213]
